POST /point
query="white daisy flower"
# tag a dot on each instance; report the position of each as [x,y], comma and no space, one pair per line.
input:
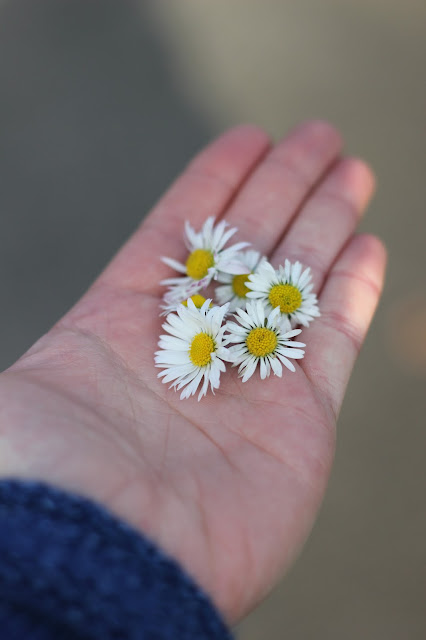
[235,288]
[207,257]
[288,289]
[193,353]
[172,302]
[262,340]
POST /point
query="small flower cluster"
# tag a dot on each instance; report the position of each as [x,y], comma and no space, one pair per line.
[267,305]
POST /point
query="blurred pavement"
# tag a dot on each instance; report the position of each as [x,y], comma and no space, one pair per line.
[102,103]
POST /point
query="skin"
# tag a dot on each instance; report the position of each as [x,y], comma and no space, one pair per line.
[229,486]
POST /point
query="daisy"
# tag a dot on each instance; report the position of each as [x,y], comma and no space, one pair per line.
[193,353]
[262,340]
[288,289]
[207,257]
[172,302]
[235,288]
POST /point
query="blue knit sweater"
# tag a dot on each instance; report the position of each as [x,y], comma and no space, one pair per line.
[70,570]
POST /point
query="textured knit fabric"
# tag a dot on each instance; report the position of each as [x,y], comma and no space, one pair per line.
[70,570]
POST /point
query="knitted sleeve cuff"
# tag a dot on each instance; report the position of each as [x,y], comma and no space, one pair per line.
[69,569]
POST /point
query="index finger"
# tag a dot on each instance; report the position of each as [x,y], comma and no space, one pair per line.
[204,189]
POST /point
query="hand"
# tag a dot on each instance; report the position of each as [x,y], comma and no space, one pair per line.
[229,486]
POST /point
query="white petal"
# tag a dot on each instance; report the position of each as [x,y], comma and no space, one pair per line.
[207,232]
[204,388]
[287,363]
[245,318]
[233,327]
[291,334]
[168,342]
[294,354]
[232,265]
[293,343]
[296,271]
[219,364]
[225,278]
[250,369]
[214,375]
[276,366]
[183,381]
[191,388]
[192,238]
[222,238]
[260,311]
[274,316]
[176,372]
[175,281]
[304,278]
[217,234]
[174,264]
[255,294]
[237,355]
[171,357]
[235,248]
[251,258]
[287,270]
[224,294]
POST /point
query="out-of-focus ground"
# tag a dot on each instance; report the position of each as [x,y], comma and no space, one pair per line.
[102,103]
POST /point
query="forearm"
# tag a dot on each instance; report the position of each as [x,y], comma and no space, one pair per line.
[70,569]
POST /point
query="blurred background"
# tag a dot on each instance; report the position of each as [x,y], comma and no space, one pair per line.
[101,105]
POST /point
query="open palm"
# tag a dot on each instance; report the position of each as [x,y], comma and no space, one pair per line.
[229,485]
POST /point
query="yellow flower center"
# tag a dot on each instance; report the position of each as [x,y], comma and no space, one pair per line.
[196,299]
[198,263]
[239,285]
[286,297]
[261,342]
[202,346]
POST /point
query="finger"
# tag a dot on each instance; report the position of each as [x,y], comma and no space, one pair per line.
[268,201]
[328,218]
[204,189]
[347,305]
